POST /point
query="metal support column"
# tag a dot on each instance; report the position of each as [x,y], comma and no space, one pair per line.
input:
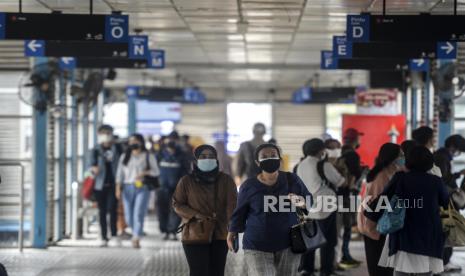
[131,93]
[427,99]
[39,162]
[445,128]
[74,167]
[60,208]
[85,135]
[414,108]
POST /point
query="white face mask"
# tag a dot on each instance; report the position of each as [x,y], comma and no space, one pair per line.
[104,138]
[333,153]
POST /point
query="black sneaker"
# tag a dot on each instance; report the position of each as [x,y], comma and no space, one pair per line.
[348,264]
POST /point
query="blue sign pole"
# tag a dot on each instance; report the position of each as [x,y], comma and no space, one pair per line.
[131,93]
[39,191]
[446,128]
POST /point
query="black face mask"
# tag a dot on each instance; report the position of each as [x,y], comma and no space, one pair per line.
[270,165]
[171,144]
[135,147]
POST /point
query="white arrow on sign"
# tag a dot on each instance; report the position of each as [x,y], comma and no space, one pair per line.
[33,45]
[66,60]
[419,62]
[449,47]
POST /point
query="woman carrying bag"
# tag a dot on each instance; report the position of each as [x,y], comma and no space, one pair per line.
[205,200]
[267,240]
[137,170]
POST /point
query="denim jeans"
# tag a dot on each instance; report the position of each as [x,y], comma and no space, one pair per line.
[135,202]
[107,204]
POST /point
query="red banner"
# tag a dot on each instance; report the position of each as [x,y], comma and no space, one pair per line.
[377,130]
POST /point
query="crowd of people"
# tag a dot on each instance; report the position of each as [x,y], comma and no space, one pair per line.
[197,196]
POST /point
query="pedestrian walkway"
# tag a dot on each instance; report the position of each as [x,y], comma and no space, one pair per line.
[156,257]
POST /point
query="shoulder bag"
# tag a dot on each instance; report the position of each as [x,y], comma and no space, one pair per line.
[151,182]
[453,225]
[306,235]
[197,231]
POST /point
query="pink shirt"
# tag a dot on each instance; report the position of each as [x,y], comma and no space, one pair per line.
[366,226]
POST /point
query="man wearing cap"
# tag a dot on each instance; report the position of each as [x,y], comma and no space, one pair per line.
[454,145]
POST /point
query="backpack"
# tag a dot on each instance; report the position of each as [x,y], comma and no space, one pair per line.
[326,189]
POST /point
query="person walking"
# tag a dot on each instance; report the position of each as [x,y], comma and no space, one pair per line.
[173,164]
[417,248]
[322,180]
[205,197]
[133,166]
[453,146]
[389,161]
[104,163]
[266,241]
[246,165]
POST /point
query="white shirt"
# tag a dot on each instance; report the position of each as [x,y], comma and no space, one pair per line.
[436,171]
[308,172]
[136,165]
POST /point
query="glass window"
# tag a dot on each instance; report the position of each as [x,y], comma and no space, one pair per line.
[334,114]
[241,118]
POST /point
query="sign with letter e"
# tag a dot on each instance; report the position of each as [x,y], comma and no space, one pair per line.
[358,28]
[341,47]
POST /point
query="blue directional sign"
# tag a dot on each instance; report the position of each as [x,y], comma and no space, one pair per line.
[156,59]
[138,46]
[34,48]
[341,47]
[358,28]
[116,28]
[328,61]
[419,65]
[2,25]
[67,63]
[446,50]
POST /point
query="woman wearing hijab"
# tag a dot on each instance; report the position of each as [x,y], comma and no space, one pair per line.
[266,241]
[205,200]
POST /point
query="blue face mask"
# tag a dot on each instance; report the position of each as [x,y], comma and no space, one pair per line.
[207,165]
[400,162]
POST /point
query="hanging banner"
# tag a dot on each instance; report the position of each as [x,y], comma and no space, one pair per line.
[377,101]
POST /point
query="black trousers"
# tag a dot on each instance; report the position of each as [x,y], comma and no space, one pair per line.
[448,251]
[168,220]
[373,249]
[107,204]
[206,259]
[329,228]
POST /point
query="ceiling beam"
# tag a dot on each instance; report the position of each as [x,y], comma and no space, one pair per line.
[229,66]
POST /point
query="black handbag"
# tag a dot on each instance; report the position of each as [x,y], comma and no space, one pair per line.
[151,182]
[306,235]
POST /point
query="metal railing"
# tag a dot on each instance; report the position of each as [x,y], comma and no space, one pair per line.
[21,202]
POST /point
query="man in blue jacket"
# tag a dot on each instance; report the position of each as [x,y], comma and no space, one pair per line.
[173,164]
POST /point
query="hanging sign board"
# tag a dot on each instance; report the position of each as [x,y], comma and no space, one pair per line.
[56,26]
[402,28]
